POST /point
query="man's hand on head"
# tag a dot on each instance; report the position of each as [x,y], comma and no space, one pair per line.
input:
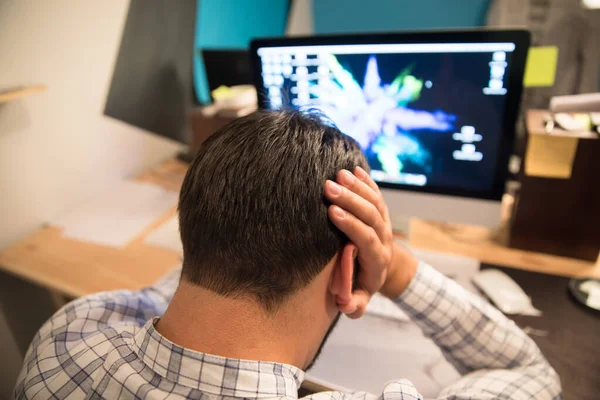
[358,210]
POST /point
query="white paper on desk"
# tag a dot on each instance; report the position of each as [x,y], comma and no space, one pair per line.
[458,268]
[167,236]
[367,353]
[117,216]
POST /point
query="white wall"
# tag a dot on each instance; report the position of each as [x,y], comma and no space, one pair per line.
[57,148]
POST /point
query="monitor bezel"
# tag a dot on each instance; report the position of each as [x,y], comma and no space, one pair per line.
[521,39]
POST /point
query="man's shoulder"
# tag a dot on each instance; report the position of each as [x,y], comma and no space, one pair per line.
[67,347]
[100,318]
[73,359]
[77,341]
[100,315]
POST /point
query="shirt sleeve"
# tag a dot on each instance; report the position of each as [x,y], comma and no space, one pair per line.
[89,314]
[497,359]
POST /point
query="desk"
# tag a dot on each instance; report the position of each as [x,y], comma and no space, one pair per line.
[567,334]
[75,268]
[572,344]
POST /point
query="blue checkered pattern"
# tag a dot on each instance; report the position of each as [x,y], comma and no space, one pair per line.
[105,346]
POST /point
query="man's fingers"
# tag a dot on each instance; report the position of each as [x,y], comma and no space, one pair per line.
[365,188]
[358,206]
[358,186]
[366,178]
[350,181]
[363,236]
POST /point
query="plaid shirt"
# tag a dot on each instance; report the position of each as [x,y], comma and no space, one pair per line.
[105,346]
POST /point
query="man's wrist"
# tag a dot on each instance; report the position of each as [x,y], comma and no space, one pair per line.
[402,271]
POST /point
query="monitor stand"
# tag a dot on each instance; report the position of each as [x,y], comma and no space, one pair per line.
[400,223]
[440,208]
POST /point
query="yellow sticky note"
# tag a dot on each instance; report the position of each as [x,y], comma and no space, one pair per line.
[550,156]
[540,69]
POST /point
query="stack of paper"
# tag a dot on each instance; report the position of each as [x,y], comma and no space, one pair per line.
[117,216]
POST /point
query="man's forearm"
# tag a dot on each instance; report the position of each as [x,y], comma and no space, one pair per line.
[472,333]
[498,358]
[401,272]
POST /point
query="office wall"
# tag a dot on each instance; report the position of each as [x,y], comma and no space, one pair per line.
[231,24]
[331,16]
[57,148]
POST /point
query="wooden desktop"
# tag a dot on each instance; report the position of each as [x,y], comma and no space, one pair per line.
[75,268]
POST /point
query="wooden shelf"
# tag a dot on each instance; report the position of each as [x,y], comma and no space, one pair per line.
[14,94]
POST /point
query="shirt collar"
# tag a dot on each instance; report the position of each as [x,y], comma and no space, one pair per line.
[213,374]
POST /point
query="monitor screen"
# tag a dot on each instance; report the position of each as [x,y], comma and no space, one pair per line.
[424,114]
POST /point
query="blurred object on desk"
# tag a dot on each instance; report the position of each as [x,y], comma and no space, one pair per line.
[579,114]
[588,102]
[505,293]
[226,68]
[558,216]
[230,103]
[543,122]
[116,217]
[586,291]
[236,99]
[577,125]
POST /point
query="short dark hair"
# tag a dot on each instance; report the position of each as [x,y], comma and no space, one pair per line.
[252,214]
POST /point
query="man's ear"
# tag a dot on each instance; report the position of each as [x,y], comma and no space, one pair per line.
[341,281]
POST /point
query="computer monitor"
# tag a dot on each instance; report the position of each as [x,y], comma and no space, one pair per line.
[434,112]
[226,67]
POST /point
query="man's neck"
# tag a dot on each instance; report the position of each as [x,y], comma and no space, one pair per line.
[204,321]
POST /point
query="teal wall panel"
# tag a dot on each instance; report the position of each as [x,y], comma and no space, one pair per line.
[231,24]
[331,16]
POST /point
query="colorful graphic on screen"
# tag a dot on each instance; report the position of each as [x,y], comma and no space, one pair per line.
[377,115]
